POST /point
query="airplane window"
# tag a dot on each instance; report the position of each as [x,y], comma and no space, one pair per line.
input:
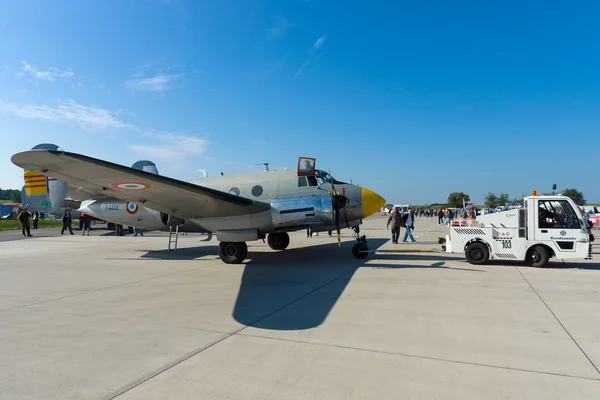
[324,177]
[312,181]
[302,181]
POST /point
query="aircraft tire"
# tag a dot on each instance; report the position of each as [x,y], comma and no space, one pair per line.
[278,241]
[233,252]
[538,257]
[477,253]
[356,251]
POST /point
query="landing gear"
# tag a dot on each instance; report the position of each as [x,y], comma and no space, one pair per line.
[233,252]
[360,249]
[278,241]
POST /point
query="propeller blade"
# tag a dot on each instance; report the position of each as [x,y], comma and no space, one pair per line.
[337,226]
[331,181]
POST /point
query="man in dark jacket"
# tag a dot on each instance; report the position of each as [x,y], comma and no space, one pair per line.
[66,222]
[24,220]
[395,219]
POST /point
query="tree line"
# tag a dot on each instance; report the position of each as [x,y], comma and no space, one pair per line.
[12,195]
[457,199]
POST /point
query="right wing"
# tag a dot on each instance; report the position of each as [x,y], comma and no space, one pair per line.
[103,178]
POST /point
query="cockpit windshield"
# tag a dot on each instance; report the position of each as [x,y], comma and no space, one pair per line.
[324,177]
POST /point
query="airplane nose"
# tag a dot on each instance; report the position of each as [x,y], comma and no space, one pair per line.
[371,202]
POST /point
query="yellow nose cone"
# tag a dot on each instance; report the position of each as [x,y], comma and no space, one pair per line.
[371,202]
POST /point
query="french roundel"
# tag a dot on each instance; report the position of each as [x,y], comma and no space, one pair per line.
[131,185]
[131,208]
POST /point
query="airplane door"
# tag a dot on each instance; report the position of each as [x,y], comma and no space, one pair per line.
[557,222]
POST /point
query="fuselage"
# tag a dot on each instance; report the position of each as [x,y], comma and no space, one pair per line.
[281,189]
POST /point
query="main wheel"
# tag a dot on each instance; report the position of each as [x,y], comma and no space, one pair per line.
[538,256]
[233,252]
[360,251]
[278,241]
[477,253]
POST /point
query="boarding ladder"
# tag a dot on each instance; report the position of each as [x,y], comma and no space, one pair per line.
[173,232]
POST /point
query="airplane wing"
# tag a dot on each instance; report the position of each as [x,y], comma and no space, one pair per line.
[103,178]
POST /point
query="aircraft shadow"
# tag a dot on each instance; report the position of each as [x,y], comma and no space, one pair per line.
[272,281]
[182,253]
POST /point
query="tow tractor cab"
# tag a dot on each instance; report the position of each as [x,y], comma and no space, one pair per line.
[547,226]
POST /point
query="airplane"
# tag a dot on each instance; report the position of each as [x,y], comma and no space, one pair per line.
[237,208]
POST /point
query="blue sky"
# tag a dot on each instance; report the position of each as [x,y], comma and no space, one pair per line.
[410,99]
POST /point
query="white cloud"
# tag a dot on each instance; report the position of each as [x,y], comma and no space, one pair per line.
[280,28]
[314,54]
[50,75]
[70,112]
[302,68]
[319,42]
[171,146]
[155,76]
[158,83]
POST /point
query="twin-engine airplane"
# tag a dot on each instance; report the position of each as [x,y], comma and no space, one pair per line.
[237,208]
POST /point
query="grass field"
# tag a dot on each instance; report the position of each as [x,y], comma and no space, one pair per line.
[11,225]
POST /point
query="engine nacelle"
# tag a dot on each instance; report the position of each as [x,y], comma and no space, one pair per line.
[171,220]
[300,211]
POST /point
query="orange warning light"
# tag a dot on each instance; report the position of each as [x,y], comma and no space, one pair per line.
[534,192]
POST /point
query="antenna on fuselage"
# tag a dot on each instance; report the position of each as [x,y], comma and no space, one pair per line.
[266,164]
[204,172]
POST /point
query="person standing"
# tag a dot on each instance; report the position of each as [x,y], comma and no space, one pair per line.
[450,217]
[66,222]
[24,220]
[409,222]
[395,219]
[138,230]
[86,221]
[36,217]
[440,215]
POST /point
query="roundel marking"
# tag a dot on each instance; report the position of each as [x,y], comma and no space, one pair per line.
[131,185]
[131,208]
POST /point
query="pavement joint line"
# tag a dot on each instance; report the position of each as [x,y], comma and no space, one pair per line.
[420,357]
[227,336]
[97,290]
[558,320]
[133,321]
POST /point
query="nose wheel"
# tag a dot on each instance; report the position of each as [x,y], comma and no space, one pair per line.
[360,249]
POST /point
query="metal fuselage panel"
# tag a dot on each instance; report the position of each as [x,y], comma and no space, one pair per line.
[291,206]
[274,187]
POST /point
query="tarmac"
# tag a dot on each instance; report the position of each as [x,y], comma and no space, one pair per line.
[106,317]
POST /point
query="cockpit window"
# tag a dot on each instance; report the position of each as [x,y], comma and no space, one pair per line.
[302,181]
[324,177]
[312,181]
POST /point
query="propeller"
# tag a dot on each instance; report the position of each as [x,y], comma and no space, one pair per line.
[339,202]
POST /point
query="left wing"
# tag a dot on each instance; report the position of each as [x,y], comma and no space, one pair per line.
[103,178]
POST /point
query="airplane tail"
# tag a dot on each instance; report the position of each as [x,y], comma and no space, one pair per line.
[41,193]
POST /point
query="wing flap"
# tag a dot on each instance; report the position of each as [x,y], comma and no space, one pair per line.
[103,178]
